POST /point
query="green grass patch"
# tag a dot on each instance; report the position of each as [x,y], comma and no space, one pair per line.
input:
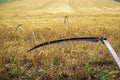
[2,1]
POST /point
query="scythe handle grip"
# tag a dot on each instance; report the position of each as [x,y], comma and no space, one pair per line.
[111,51]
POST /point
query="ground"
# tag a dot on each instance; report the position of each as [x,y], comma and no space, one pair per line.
[40,21]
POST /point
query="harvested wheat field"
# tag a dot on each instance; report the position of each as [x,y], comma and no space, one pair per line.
[26,23]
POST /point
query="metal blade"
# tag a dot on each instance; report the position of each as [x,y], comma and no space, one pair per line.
[89,39]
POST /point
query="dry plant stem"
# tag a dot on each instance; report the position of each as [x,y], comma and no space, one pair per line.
[35,63]
[18,60]
[34,38]
[3,66]
[18,27]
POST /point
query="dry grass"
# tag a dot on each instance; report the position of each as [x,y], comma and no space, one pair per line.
[65,61]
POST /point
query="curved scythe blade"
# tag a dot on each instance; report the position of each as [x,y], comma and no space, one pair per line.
[89,39]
